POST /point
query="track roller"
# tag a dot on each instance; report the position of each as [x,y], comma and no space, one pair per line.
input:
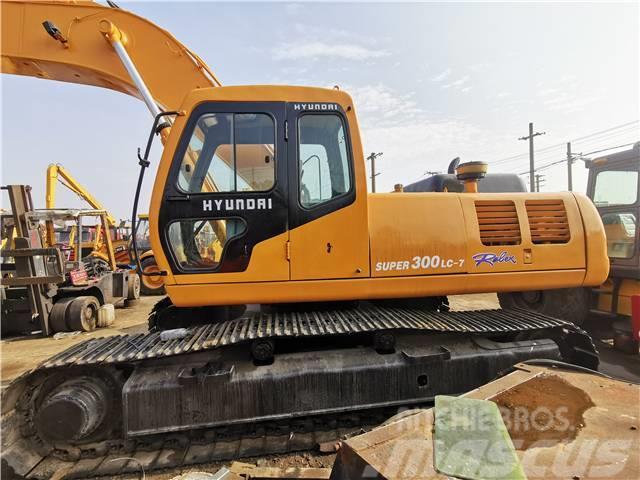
[262,351]
[384,342]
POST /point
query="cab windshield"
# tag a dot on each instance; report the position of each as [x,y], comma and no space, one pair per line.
[230,152]
[616,196]
[616,187]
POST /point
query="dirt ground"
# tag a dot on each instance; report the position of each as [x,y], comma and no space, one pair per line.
[560,409]
[19,355]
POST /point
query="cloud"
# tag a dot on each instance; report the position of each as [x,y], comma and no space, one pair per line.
[547,92]
[412,139]
[479,67]
[330,34]
[383,104]
[569,104]
[457,83]
[292,8]
[319,49]
[442,75]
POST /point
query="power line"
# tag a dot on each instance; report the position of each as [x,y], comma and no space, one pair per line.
[530,138]
[587,140]
[610,148]
[606,130]
[590,144]
[374,174]
[600,133]
[575,155]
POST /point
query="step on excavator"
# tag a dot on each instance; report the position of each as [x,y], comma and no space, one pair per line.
[310,307]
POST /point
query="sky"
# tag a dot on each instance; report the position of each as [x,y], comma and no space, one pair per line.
[430,81]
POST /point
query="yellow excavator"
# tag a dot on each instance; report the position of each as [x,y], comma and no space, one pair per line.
[149,284]
[310,307]
[614,187]
[95,244]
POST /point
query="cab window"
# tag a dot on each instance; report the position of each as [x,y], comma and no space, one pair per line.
[230,152]
[323,159]
[142,234]
[199,244]
[616,187]
[620,230]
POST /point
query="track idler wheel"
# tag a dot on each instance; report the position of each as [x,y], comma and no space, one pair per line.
[74,410]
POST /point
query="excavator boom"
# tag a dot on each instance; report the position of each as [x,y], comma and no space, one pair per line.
[64,41]
[57,173]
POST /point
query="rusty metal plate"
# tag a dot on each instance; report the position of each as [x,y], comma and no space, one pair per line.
[564,424]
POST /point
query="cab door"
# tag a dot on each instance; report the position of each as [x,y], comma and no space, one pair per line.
[327,206]
[224,213]
[614,187]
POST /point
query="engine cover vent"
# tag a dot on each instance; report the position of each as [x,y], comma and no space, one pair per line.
[498,222]
[548,221]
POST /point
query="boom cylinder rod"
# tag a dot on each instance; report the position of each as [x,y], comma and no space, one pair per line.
[116,38]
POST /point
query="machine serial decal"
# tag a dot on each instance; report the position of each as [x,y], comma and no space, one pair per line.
[491,258]
[316,106]
[235,204]
[419,263]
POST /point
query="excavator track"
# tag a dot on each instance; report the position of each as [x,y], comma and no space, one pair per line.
[127,348]
[115,374]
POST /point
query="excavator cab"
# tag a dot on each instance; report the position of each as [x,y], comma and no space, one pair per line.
[614,187]
[244,176]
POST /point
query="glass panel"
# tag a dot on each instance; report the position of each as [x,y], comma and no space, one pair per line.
[620,229]
[616,187]
[199,244]
[142,235]
[230,153]
[324,163]
[255,139]
[62,236]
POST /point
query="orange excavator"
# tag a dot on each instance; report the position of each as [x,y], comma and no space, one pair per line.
[309,307]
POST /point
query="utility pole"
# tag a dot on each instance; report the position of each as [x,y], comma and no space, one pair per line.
[539,181]
[531,162]
[373,157]
[569,169]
